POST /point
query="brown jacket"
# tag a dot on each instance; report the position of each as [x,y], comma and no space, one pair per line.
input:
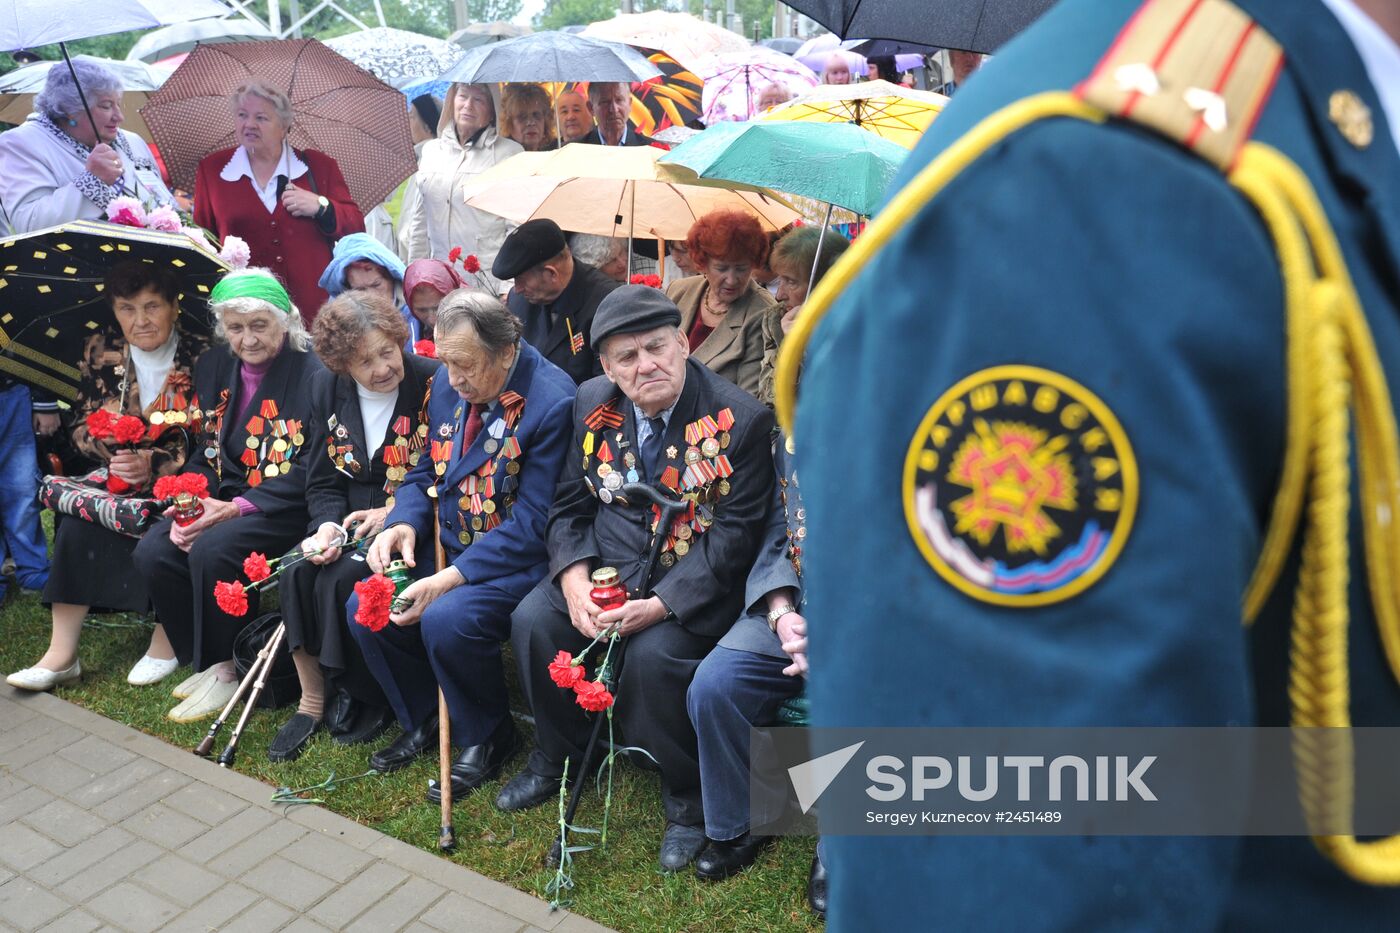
[734,350]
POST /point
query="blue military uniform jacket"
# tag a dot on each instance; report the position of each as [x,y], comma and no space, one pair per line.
[493,499]
[1041,436]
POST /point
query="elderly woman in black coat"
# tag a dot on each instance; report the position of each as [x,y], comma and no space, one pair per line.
[252,413]
[368,420]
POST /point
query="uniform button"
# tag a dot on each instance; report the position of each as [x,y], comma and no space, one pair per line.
[279,258]
[274,224]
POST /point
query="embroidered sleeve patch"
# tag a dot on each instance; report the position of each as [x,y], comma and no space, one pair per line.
[1020,487]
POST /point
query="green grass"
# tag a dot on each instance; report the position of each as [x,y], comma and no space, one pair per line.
[620,886]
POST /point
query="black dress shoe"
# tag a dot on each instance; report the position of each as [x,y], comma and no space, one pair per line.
[679,845]
[340,713]
[478,764]
[816,888]
[368,724]
[720,860]
[400,752]
[291,740]
[527,789]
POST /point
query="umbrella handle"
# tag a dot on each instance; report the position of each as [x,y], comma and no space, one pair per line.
[63,47]
[821,238]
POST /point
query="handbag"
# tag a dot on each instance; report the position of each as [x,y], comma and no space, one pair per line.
[282,686]
[87,497]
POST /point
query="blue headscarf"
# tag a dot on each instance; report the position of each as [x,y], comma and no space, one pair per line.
[354,248]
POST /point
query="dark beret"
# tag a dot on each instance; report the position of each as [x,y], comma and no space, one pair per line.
[633,309]
[532,243]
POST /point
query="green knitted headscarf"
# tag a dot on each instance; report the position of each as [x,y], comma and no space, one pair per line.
[252,285]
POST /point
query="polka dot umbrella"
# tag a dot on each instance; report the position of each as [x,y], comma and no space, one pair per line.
[51,301]
[340,110]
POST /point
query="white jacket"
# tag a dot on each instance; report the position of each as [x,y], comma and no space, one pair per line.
[37,175]
[439,217]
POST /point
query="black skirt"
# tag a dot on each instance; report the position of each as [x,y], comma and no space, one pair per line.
[313,606]
[92,566]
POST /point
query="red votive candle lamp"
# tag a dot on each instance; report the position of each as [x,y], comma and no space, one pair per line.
[608,591]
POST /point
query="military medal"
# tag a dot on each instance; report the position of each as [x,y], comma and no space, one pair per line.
[605,495]
[613,481]
[671,452]
[709,448]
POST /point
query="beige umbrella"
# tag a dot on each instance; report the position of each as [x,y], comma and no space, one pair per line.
[612,191]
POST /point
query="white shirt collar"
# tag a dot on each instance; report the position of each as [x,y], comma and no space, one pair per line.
[1379,53]
[289,166]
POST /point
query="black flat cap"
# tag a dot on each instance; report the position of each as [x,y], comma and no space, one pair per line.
[633,309]
[530,244]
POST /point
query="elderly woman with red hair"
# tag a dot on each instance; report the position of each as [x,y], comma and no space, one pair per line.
[722,310]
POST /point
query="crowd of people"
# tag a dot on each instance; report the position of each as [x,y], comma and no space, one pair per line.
[361,406]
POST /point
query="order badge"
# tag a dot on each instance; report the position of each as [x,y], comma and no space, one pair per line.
[1020,486]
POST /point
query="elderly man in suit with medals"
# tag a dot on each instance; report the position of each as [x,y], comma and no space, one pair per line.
[659,417]
[498,418]
[555,294]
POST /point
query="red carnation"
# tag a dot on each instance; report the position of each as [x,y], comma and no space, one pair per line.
[116,484]
[454,254]
[256,567]
[196,484]
[592,696]
[232,598]
[425,348]
[472,264]
[654,280]
[128,429]
[376,596]
[99,424]
[167,486]
[563,671]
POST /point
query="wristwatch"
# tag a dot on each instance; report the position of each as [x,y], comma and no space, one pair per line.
[775,614]
[325,203]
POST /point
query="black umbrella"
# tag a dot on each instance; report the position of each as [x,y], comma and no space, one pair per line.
[972,25]
[51,301]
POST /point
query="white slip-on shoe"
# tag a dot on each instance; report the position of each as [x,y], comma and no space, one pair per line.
[40,679]
[151,670]
[191,683]
[211,697]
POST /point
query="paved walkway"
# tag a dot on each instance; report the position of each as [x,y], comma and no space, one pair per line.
[104,827]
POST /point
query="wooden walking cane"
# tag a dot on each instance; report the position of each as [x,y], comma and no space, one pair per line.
[263,656]
[447,838]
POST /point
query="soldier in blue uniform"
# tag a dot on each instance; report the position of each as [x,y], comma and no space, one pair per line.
[1112,343]
[498,417]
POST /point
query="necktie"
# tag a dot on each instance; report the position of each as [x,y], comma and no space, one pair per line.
[651,449]
[470,430]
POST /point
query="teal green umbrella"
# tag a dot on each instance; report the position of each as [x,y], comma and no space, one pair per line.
[840,164]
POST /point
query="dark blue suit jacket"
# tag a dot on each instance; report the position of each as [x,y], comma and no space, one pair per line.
[510,556]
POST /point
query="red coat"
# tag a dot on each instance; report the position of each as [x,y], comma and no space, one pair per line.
[294,248]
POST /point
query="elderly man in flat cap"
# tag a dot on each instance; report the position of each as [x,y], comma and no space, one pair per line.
[555,294]
[657,417]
